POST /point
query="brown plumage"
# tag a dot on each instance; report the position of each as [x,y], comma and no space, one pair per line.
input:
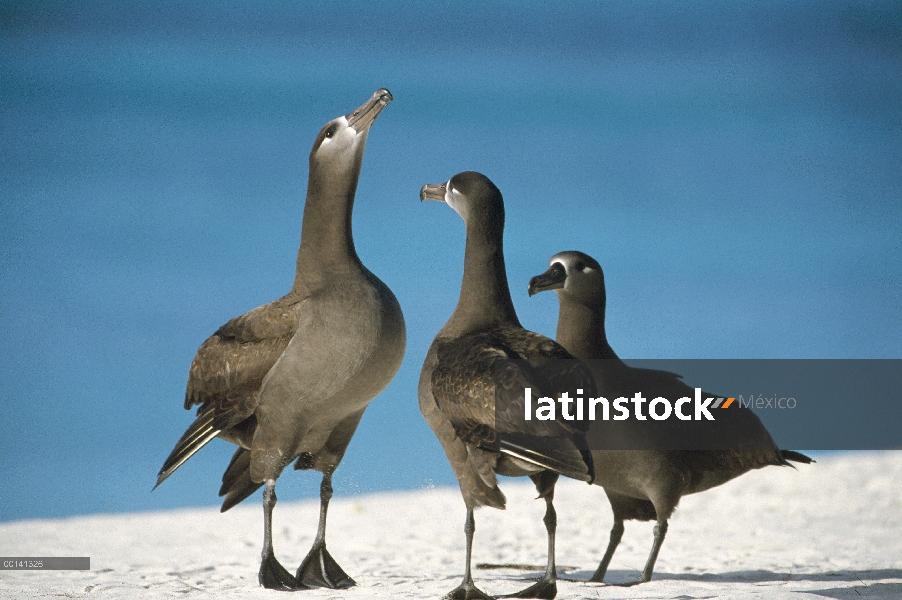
[647,484]
[471,389]
[290,380]
[225,379]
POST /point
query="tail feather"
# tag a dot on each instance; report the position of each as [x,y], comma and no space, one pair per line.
[196,437]
[565,459]
[236,481]
[796,457]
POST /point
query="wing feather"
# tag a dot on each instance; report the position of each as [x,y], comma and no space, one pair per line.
[226,374]
[479,382]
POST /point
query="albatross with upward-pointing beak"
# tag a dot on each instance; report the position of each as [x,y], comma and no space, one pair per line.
[289,381]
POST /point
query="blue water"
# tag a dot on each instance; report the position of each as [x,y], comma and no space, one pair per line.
[734,166]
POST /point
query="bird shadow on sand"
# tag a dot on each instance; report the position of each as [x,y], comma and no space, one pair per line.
[615,577]
[872,584]
[875,591]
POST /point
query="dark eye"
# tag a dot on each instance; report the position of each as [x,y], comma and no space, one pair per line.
[329,133]
[580,266]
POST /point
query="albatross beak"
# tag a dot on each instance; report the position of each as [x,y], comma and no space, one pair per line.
[363,117]
[552,279]
[433,191]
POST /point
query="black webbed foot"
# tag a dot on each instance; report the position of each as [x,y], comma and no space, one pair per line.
[319,569]
[545,588]
[274,576]
[467,591]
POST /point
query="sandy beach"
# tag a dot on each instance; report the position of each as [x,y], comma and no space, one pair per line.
[828,530]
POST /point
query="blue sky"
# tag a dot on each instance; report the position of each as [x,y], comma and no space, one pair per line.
[733,166]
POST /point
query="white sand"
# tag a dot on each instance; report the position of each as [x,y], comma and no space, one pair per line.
[829,530]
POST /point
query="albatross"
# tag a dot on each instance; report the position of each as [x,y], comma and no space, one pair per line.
[290,380]
[483,355]
[647,484]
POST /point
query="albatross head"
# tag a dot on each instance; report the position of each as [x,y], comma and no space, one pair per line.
[469,194]
[573,275]
[341,141]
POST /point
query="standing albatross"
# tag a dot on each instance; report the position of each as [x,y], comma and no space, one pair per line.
[291,379]
[647,484]
[465,372]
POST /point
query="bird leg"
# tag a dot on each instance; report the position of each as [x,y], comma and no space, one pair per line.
[660,532]
[272,574]
[319,569]
[546,587]
[616,535]
[467,590]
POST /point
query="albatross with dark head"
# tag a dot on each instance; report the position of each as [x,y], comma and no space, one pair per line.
[647,484]
[465,372]
[289,380]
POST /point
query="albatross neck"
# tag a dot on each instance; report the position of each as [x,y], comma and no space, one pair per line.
[327,243]
[580,329]
[485,299]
